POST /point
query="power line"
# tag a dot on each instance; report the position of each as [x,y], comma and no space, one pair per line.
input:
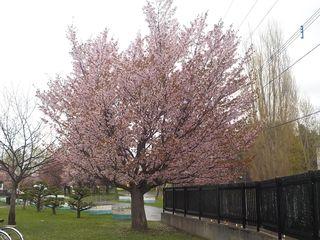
[296,119]
[264,17]
[311,20]
[295,62]
[305,25]
[294,36]
[286,69]
[307,115]
[228,9]
[248,13]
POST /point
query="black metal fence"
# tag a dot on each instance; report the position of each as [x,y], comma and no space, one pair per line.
[287,205]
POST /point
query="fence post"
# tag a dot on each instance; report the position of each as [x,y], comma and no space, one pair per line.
[258,199]
[185,200]
[173,199]
[163,199]
[279,193]
[200,212]
[244,207]
[314,205]
[218,202]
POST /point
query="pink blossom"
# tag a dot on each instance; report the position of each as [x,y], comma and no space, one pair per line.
[172,108]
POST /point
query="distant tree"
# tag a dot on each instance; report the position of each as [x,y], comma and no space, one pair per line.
[38,193]
[310,140]
[309,133]
[51,173]
[77,202]
[174,107]
[277,151]
[25,195]
[24,143]
[53,200]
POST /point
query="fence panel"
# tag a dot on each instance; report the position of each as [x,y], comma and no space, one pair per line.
[287,205]
[297,207]
[192,201]
[209,203]
[167,199]
[268,205]
[317,203]
[231,203]
[251,204]
[179,200]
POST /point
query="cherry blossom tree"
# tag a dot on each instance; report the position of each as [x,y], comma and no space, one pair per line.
[52,172]
[174,107]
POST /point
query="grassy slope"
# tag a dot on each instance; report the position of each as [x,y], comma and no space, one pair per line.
[110,197]
[158,203]
[64,226]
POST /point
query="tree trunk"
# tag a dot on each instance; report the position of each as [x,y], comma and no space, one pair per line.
[157,192]
[95,190]
[12,210]
[138,215]
[24,204]
[54,211]
[78,213]
[38,205]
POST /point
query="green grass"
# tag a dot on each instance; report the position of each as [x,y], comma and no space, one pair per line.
[158,203]
[110,197]
[65,226]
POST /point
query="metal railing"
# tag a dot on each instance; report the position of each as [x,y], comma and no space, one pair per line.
[287,205]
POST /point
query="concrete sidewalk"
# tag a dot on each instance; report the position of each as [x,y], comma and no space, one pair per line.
[153,213]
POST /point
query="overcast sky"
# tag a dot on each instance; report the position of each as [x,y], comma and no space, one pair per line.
[33,44]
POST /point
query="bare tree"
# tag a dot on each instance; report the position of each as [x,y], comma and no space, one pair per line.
[277,151]
[309,134]
[23,143]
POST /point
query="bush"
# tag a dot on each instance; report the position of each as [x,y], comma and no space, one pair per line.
[53,200]
[77,203]
[38,193]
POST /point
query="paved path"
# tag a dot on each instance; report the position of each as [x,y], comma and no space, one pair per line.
[153,213]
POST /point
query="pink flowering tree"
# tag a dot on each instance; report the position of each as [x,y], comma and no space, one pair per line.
[174,107]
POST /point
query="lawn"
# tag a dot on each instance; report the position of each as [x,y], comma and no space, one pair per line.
[158,203]
[109,197]
[64,226]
